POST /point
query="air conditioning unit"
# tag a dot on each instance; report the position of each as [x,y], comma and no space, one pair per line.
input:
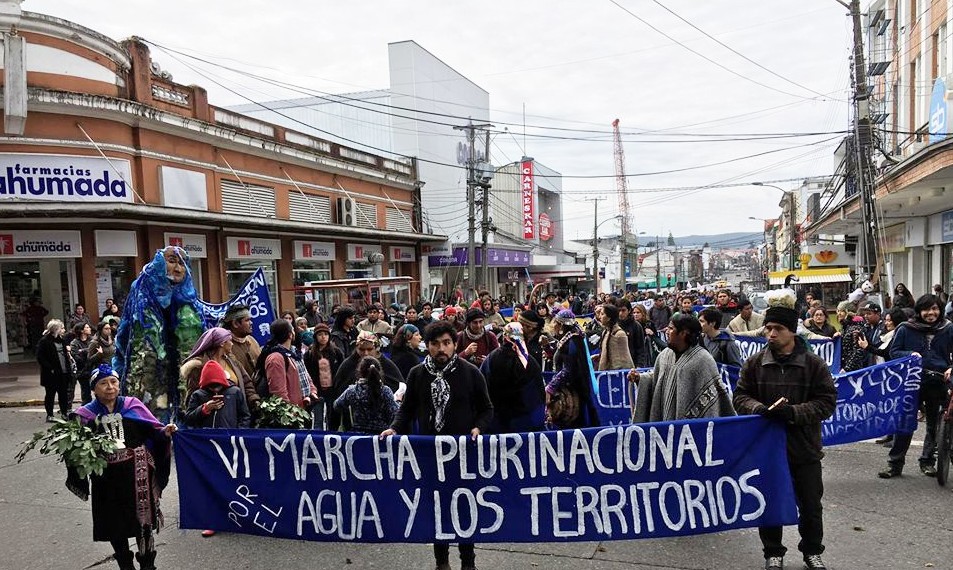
[347,212]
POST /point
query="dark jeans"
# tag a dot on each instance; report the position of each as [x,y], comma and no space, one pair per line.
[441,552]
[62,392]
[85,394]
[808,490]
[932,402]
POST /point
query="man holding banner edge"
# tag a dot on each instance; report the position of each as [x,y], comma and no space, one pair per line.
[788,383]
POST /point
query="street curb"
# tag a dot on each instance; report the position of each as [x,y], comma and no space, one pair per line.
[21,403]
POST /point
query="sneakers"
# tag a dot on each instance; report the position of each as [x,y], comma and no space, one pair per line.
[443,566]
[49,419]
[928,469]
[774,563]
[814,562]
[890,472]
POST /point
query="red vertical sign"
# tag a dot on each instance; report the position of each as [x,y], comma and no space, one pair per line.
[528,186]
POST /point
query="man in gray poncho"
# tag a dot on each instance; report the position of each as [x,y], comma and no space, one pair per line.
[685,383]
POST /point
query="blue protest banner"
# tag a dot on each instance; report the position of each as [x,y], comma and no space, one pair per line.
[871,402]
[828,349]
[612,483]
[255,295]
[875,401]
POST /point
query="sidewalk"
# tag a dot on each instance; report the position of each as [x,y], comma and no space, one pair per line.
[20,385]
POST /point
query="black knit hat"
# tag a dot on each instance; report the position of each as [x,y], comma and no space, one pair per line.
[783,316]
[474,314]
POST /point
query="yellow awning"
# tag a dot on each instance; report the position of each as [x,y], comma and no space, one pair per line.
[826,275]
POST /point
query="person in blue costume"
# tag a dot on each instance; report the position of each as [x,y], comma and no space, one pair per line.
[161,321]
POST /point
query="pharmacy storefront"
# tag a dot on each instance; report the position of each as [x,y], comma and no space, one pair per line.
[38,279]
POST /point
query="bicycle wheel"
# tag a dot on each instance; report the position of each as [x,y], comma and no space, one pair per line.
[944,448]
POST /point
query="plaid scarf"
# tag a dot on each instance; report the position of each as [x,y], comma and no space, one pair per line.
[304,379]
[439,389]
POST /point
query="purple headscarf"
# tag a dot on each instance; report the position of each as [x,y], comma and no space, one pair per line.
[210,339]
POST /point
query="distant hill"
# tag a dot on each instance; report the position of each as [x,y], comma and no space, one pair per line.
[734,240]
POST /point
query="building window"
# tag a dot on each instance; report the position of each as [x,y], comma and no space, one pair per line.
[305,271]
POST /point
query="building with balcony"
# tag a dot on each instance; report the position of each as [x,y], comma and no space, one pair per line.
[908,52]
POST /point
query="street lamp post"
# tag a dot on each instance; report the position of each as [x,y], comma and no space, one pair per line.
[595,250]
[789,194]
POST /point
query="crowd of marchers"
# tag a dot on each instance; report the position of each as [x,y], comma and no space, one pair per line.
[464,368]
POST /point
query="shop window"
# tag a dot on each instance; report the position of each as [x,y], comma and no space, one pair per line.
[305,271]
[114,276]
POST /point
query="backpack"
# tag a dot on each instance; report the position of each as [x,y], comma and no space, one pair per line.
[261,379]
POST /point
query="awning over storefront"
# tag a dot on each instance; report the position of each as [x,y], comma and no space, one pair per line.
[539,272]
[831,275]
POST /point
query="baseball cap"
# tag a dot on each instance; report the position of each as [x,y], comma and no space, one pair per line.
[871,306]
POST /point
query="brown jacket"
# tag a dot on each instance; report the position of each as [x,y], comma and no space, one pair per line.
[805,380]
[245,352]
[614,353]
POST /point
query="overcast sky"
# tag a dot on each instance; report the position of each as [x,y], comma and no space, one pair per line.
[575,65]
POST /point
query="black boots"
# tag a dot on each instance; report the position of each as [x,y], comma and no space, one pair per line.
[147,561]
[124,559]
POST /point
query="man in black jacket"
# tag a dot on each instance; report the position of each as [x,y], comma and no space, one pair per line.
[446,395]
[788,383]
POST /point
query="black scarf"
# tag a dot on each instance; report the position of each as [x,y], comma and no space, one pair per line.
[926,328]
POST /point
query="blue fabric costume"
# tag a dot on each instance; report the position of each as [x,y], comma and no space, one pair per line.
[160,323]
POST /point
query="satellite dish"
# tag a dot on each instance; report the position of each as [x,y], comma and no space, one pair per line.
[154,66]
[375,257]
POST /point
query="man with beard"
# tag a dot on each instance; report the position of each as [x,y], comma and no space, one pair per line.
[474,343]
[788,383]
[685,382]
[515,383]
[446,395]
[930,336]
[368,344]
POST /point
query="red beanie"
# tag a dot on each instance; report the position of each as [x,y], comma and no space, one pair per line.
[213,373]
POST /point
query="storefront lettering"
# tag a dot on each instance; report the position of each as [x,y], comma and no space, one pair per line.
[41,181]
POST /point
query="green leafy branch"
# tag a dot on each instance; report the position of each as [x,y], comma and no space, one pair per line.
[78,446]
[278,413]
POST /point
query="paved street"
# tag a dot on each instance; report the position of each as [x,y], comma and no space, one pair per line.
[870,523]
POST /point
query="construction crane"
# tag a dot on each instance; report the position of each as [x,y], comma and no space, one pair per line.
[622,189]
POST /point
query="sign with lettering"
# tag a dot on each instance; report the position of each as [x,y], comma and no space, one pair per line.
[253,248]
[828,349]
[871,402]
[314,251]
[64,178]
[546,227]
[611,483]
[254,295]
[401,253]
[40,243]
[360,251]
[528,196]
[195,245]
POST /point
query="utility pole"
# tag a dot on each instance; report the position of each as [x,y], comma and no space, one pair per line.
[658,267]
[485,184]
[595,244]
[869,258]
[472,181]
